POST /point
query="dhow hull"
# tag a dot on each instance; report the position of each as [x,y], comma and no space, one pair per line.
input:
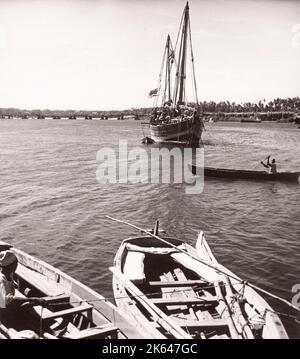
[188,132]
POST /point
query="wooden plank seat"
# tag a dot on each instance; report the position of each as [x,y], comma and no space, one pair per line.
[187,323]
[59,323]
[63,299]
[59,299]
[99,332]
[63,313]
[39,281]
[187,291]
[39,310]
[185,301]
[178,283]
[171,292]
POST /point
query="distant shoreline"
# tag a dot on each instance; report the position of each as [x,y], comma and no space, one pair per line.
[143,114]
[278,110]
[208,119]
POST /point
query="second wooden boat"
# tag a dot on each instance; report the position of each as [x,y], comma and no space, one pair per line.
[177,291]
[71,309]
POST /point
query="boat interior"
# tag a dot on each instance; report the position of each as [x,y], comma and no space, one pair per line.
[64,313]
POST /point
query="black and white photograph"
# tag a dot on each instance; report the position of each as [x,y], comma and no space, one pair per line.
[149,172]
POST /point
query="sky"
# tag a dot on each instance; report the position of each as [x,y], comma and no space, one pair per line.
[105,55]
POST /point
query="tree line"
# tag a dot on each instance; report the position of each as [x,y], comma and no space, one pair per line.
[278,105]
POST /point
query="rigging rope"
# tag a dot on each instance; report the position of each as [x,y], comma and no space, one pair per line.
[182,17]
[159,79]
[193,65]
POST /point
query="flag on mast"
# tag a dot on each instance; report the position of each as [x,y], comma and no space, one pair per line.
[172,56]
[153,93]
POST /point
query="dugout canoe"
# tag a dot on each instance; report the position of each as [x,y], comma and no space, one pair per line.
[245,174]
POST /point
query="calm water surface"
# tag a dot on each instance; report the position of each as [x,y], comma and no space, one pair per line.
[52,206]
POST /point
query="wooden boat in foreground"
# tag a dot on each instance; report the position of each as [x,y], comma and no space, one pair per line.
[245,174]
[173,294]
[72,310]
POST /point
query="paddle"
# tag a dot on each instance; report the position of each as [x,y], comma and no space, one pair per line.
[260,163]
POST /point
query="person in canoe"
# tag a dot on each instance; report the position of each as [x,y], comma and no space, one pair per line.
[12,306]
[271,166]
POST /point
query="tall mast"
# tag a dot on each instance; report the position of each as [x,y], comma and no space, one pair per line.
[182,61]
[168,68]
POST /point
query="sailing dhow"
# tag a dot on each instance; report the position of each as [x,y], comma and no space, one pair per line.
[176,119]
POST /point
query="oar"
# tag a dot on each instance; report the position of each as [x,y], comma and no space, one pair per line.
[219,269]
